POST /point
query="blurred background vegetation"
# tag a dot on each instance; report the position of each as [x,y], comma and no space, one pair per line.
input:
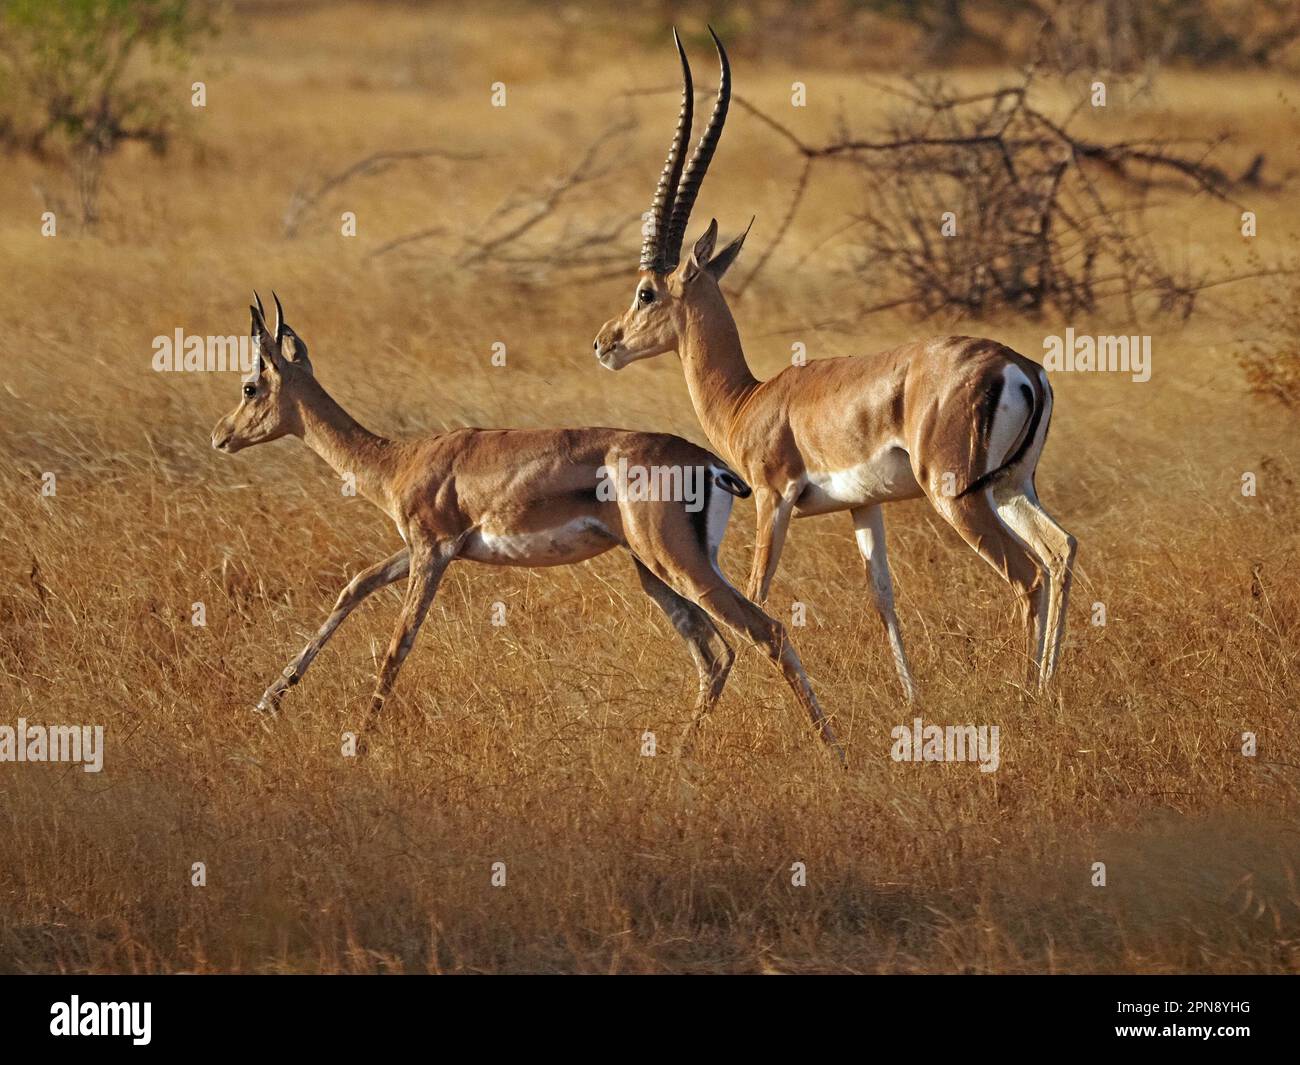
[80,78]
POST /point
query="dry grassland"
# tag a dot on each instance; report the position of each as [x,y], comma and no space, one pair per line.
[521,744]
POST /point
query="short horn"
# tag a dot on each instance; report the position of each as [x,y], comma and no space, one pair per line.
[699,164]
[661,209]
[258,328]
[279,319]
[258,314]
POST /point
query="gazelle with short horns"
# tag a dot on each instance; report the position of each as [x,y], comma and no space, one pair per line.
[546,497]
[959,420]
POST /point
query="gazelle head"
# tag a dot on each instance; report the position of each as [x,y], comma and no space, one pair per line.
[268,408]
[669,294]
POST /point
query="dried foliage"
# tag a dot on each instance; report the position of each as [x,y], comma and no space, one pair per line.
[1271,357]
[1132,35]
[983,202]
[1095,35]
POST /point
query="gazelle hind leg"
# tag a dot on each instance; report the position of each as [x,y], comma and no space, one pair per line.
[1055,549]
[731,608]
[696,579]
[699,632]
[977,521]
[1061,568]
[682,555]
[869,527]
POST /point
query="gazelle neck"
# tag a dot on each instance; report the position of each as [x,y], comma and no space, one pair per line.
[717,375]
[343,442]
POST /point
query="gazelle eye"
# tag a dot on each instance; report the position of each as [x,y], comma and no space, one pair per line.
[250,390]
[646,295]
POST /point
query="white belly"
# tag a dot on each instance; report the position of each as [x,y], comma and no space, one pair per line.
[572,542]
[884,477]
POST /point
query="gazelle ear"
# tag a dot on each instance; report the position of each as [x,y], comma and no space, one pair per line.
[720,263]
[294,349]
[702,251]
[289,344]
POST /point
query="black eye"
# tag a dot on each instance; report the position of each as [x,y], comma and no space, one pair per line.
[646,295]
[250,390]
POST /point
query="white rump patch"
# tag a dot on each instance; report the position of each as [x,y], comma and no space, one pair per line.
[1011,417]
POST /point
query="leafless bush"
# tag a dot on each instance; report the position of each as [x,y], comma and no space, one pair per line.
[982,202]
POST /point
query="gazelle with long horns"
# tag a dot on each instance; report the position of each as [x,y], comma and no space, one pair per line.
[959,420]
[546,497]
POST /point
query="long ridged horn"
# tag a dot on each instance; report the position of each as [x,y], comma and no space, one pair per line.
[652,248]
[699,164]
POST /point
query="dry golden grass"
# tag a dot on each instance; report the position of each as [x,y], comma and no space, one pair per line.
[521,744]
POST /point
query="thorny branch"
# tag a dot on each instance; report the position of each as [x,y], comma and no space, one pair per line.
[304,200]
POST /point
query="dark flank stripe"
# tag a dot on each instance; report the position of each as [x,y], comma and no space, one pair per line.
[991,400]
[700,518]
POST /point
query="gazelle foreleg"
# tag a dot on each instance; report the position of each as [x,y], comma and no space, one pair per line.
[869,527]
[368,581]
[427,569]
[774,512]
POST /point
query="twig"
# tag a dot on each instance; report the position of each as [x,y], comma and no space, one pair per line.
[544,206]
[301,202]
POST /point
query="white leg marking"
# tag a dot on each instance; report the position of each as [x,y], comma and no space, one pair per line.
[1020,516]
[869,528]
[1052,547]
